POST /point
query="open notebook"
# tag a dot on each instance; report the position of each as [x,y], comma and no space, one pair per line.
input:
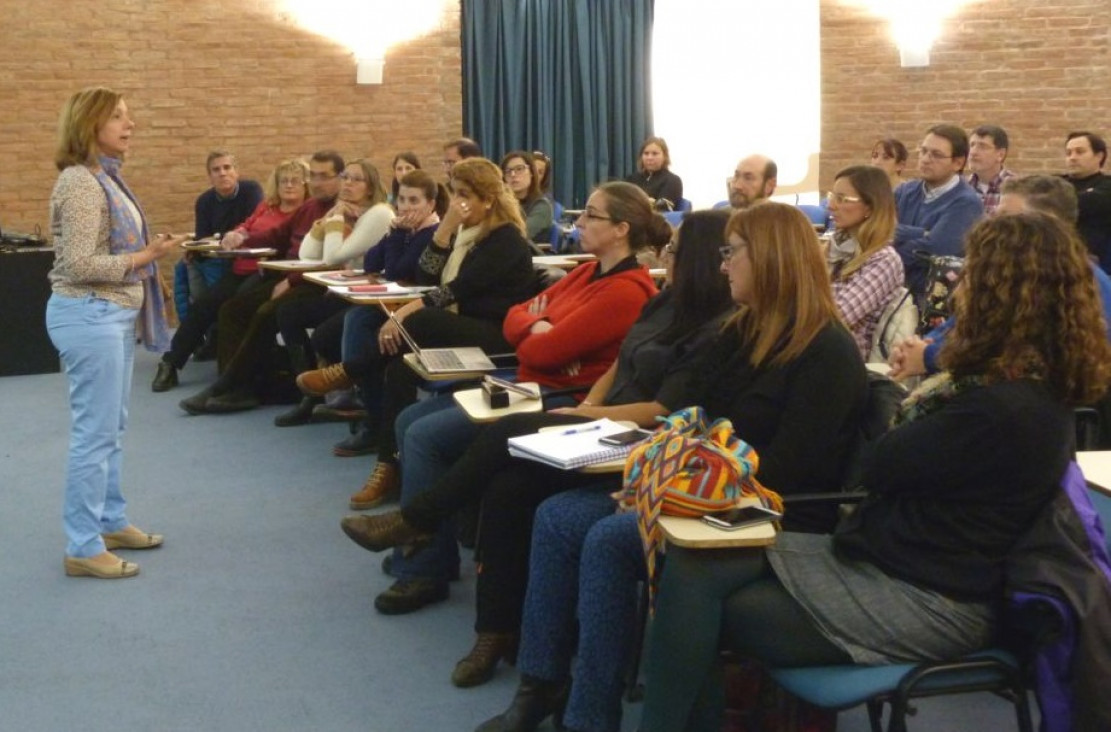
[446,360]
[574,446]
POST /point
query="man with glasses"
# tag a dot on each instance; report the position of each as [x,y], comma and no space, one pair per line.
[1085,155]
[245,296]
[936,211]
[987,150]
[457,150]
[753,180]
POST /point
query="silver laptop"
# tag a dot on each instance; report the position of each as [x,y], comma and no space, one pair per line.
[446,360]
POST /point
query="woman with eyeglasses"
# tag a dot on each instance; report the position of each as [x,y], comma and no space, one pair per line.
[928,545]
[521,177]
[568,336]
[654,176]
[787,373]
[865,269]
[890,156]
[357,224]
[285,190]
[358,220]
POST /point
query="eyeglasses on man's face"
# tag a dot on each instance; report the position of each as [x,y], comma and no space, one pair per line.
[925,152]
[322,176]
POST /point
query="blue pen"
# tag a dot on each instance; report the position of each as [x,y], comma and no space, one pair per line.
[578,430]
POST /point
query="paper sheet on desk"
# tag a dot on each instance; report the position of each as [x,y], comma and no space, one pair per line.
[381,289]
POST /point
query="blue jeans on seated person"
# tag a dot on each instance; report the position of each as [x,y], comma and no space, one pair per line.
[192,279]
[433,434]
[583,573]
[96,340]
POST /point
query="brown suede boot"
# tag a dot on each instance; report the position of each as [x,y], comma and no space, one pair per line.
[322,381]
[477,667]
[383,531]
[384,483]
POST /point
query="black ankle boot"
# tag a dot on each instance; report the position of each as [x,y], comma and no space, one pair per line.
[301,414]
[535,700]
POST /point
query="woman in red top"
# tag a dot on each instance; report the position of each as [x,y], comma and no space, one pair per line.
[568,335]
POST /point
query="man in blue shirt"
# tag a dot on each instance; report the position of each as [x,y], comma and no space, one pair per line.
[936,211]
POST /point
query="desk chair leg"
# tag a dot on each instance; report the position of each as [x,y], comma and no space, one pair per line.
[634,691]
[1022,710]
[875,714]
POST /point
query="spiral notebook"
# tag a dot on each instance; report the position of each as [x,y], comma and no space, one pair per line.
[575,446]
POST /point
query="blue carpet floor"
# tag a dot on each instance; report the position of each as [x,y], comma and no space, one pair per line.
[256,614]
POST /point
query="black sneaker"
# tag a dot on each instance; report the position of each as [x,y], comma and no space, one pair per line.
[165,379]
[406,596]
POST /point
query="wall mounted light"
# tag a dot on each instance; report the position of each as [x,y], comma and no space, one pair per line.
[369,70]
[915,25]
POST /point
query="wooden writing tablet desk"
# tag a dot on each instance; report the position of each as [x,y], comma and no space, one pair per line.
[472,402]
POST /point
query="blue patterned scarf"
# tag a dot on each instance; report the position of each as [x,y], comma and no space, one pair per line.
[128,236]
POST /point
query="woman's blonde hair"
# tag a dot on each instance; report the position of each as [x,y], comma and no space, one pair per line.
[1028,307]
[293,166]
[876,231]
[484,177]
[792,300]
[82,116]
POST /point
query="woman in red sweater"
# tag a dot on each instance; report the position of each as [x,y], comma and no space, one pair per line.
[566,336]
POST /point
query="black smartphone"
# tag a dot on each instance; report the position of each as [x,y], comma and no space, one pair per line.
[625,438]
[739,518]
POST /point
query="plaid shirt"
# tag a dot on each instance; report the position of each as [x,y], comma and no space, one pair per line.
[990,197]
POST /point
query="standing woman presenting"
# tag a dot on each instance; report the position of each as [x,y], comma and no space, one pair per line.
[104,278]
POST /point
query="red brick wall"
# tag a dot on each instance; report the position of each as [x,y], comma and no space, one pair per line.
[202,74]
[1038,68]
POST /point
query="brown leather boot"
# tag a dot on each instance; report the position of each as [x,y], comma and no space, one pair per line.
[477,667]
[383,531]
[322,381]
[383,483]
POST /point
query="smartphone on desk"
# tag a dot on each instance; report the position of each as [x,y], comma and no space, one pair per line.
[739,518]
[621,439]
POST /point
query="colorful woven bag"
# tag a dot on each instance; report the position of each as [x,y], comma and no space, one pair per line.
[688,469]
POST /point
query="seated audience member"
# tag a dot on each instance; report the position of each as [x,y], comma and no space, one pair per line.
[654,176]
[523,181]
[929,544]
[246,321]
[543,164]
[569,335]
[349,336]
[863,265]
[753,180]
[890,156]
[359,221]
[935,212]
[789,376]
[286,189]
[987,151]
[1085,154]
[218,210]
[1045,193]
[481,265]
[403,162]
[459,149]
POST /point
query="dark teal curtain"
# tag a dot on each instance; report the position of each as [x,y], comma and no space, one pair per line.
[569,77]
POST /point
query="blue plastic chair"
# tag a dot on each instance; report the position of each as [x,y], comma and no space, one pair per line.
[818,215]
[684,205]
[722,204]
[674,217]
[557,214]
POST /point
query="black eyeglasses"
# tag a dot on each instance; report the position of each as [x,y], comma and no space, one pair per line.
[729,251]
[592,216]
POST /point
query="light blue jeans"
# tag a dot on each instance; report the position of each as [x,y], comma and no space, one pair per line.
[96,340]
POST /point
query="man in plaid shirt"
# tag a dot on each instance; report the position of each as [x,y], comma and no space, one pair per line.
[987,149]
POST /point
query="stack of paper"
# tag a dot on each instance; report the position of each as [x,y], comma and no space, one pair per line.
[571,447]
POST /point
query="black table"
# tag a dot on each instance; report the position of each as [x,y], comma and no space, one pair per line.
[25,347]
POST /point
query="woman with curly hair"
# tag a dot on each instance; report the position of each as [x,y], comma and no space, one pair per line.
[976,455]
